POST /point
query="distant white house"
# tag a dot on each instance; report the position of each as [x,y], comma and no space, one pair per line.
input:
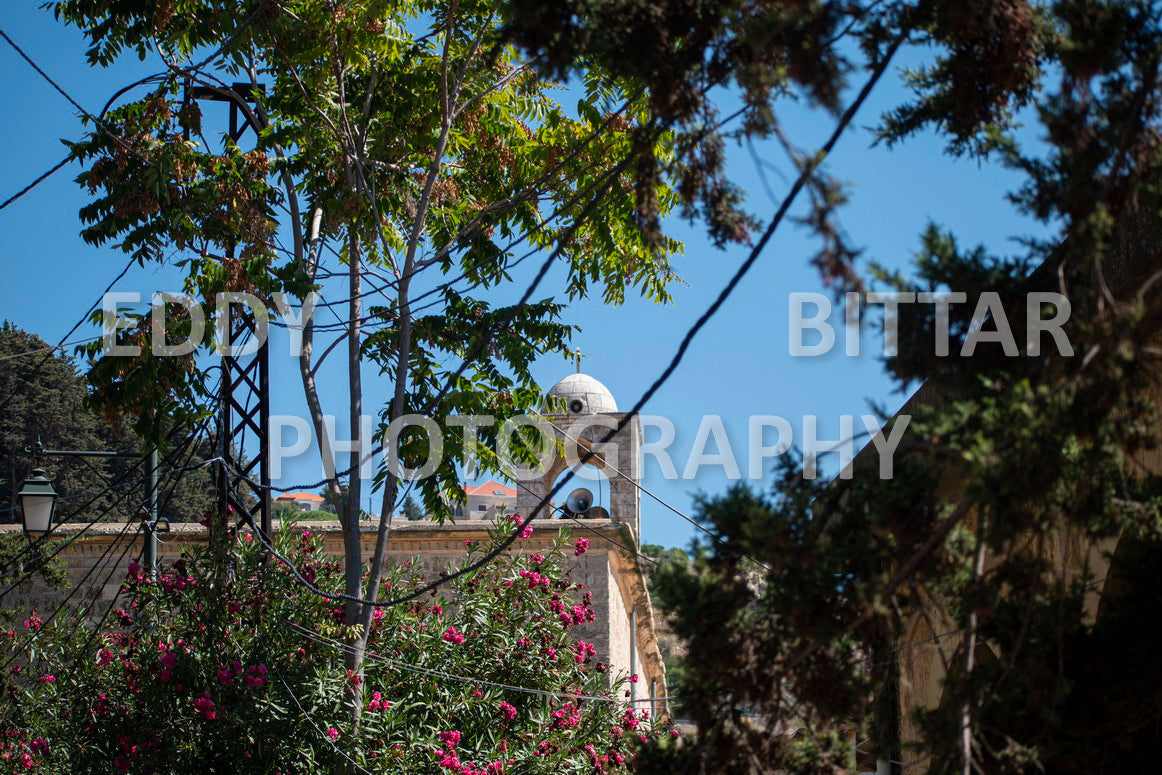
[485,501]
[307,501]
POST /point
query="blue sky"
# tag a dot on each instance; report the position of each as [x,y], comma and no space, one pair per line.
[739,365]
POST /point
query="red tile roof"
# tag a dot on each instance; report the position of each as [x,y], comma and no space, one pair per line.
[490,488]
[301,496]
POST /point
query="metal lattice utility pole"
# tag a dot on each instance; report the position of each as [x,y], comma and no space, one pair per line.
[244,397]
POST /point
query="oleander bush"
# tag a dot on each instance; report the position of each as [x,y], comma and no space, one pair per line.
[228,663]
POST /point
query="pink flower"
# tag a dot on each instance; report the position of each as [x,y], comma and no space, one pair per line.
[332,733]
[307,534]
[633,678]
[104,657]
[580,547]
[39,745]
[205,706]
[134,568]
[566,717]
[450,739]
[452,636]
[48,679]
[516,519]
[508,711]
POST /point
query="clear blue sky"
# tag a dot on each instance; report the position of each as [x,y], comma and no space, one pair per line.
[739,366]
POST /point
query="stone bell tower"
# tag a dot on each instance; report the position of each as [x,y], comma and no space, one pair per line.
[581,413]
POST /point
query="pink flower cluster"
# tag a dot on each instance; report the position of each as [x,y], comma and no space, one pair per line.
[566,717]
[580,547]
[578,614]
[205,706]
[254,678]
[535,579]
[584,651]
[453,636]
[377,703]
[527,530]
[508,711]
[601,762]
[176,579]
[19,753]
[450,761]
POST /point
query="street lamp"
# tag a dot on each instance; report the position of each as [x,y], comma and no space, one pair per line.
[38,498]
[37,503]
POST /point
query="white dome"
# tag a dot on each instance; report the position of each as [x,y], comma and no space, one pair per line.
[584,395]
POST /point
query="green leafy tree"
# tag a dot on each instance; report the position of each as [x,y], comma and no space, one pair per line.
[803,613]
[416,147]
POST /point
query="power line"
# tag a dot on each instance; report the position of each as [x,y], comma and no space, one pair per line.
[190,442]
[80,108]
[164,504]
[99,122]
[374,657]
[723,295]
[65,543]
[806,172]
[34,632]
[40,179]
[318,728]
[189,448]
[566,515]
[51,348]
[717,538]
[47,536]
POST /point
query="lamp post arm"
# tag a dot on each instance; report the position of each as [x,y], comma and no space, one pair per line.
[38,451]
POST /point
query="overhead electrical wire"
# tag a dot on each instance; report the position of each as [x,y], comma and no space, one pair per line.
[725,293]
[374,657]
